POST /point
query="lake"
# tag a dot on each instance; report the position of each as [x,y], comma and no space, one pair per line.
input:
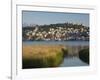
[73,48]
[70,43]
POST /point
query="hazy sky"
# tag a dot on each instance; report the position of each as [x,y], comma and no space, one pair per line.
[36,17]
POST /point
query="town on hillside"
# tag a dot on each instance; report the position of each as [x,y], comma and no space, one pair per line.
[55,32]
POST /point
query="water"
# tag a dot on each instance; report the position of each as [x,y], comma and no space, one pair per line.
[74,61]
[69,43]
[73,48]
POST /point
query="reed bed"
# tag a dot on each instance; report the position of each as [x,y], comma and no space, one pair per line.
[38,56]
[84,55]
[43,56]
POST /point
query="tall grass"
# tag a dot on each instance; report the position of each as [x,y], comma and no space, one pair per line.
[84,55]
[40,56]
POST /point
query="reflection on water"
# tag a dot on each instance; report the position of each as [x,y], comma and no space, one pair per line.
[74,61]
[73,49]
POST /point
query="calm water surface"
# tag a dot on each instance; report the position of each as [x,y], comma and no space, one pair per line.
[73,48]
[70,43]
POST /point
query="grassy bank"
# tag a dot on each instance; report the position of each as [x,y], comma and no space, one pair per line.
[84,55]
[39,56]
[42,56]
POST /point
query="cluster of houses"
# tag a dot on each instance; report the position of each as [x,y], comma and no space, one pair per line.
[56,33]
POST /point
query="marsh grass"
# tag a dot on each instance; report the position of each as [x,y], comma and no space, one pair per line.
[84,55]
[42,56]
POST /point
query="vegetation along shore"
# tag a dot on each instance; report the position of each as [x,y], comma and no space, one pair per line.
[43,56]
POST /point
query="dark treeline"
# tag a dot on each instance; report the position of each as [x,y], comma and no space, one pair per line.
[64,25]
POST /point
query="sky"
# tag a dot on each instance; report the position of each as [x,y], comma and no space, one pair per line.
[41,18]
